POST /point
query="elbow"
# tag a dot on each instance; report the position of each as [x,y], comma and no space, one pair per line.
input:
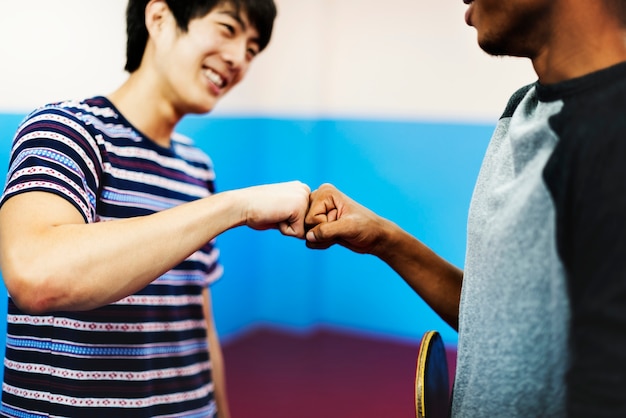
[28,292]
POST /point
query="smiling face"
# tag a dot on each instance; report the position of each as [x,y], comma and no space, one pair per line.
[197,67]
[511,27]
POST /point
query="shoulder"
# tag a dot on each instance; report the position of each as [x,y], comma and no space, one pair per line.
[587,165]
[186,148]
[66,127]
[592,125]
[74,114]
[515,100]
[593,106]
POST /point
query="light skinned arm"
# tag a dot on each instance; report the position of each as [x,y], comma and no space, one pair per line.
[52,260]
[218,373]
[334,218]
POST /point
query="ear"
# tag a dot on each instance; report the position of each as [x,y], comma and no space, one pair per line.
[157,13]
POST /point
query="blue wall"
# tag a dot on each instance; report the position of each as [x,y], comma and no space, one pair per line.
[420,175]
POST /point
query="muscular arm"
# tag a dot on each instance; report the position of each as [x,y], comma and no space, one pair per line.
[336,219]
[52,260]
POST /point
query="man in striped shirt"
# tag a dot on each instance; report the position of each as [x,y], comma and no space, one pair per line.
[107,225]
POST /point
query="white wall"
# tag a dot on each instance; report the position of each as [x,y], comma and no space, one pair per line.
[52,50]
[408,59]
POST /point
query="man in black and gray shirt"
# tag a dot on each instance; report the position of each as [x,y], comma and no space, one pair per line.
[541,303]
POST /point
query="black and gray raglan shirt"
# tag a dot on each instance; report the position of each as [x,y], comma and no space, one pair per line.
[542,329]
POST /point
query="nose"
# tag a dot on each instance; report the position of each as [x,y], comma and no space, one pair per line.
[234,54]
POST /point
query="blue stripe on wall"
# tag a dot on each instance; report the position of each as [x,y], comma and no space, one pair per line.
[420,175]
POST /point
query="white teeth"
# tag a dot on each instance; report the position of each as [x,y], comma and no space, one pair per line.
[214,77]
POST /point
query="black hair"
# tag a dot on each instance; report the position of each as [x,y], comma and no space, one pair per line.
[260,14]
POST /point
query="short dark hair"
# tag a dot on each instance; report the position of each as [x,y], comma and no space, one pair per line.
[260,14]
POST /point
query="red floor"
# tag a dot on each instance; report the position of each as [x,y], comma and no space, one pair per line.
[324,374]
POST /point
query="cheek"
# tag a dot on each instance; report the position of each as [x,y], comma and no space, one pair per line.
[488,18]
[240,76]
[205,40]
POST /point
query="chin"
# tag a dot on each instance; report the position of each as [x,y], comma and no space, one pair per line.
[200,108]
[203,111]
[512,43]
[493,46]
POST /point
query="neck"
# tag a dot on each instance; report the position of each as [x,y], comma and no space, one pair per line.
[587,39]
[144,107]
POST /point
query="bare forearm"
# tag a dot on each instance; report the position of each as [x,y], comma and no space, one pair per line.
[334,218]
[77,266]
[52,260]
[433,278]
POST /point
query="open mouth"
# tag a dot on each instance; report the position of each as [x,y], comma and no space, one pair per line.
[215,78]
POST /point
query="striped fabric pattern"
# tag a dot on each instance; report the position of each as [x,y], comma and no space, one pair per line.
[145,355]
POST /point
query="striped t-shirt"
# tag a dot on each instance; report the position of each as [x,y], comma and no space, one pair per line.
[145,355]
